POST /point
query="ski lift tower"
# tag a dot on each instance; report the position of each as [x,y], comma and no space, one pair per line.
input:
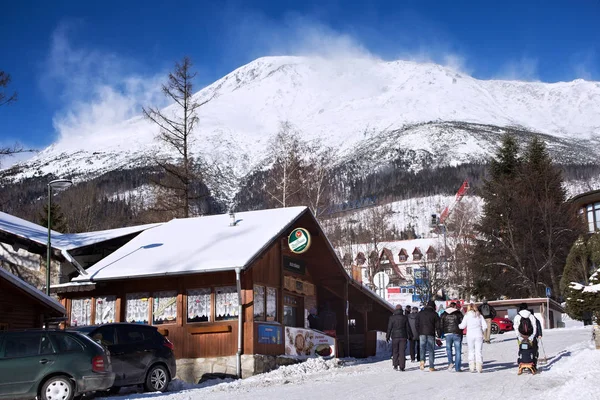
[440,222]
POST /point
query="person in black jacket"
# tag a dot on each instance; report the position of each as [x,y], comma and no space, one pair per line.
[399,331]
[489,313]
[413,344]
[428,326]
[449,321]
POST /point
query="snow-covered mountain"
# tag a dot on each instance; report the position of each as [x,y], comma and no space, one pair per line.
[374,112]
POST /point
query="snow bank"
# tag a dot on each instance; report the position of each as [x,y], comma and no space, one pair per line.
[576,376]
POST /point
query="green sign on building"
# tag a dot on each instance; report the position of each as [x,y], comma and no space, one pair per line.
[299,240]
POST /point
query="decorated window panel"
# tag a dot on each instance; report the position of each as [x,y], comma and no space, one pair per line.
[105,309]
[271,304]
[198,305]
[226,303]
[259,303]
[165,307]
[137,307]
[81,312]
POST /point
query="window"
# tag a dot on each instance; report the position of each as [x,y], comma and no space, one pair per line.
[416,256]
[27,345]
[411,290]
[292,311]
[66,343]
[130,334]
[402,257]
[105,309]
[259,303]
[265,303]
[137,308]
[198,305]
[104,335]
[165,307]
[409,270]
[226,303]
[271,304]
[81,311]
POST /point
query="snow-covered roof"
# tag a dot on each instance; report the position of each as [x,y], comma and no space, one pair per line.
[195,245]
[71,241]
[26,287]
[62,241]
[24,229]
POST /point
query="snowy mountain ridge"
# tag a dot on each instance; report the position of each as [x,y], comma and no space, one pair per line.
[375,112]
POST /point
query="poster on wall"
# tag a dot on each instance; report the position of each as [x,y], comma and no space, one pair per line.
[269,334]
[308,343]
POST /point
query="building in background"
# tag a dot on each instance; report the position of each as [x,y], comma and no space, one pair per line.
[588,205]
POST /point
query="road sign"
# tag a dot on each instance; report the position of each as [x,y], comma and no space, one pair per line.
[381,280]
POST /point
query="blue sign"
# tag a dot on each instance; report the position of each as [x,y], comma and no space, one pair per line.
[548,292]
[269,334]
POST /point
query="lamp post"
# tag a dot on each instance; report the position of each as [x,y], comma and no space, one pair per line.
[57,184]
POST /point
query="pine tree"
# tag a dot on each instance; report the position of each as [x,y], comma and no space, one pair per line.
[527,225]
[58,222]
[583,259]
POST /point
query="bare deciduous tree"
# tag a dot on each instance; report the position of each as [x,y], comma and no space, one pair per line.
[176,129]
[314,178]
[376,225]
[6,98]
[285,151]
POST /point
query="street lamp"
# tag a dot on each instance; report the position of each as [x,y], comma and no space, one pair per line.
[58,184]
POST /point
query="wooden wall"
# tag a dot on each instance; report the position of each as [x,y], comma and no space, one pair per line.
[17,309]
[191,340]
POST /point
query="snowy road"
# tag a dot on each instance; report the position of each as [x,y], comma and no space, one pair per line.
[571,372]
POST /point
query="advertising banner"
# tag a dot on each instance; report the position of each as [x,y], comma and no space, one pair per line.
[269,334]
[308,343]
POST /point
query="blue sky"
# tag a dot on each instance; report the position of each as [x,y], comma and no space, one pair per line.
[76,64]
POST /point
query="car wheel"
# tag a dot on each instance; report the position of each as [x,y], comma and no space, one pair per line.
[495,328]
[158,379]
[57,388]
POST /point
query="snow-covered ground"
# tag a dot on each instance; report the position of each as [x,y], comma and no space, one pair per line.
[571,371]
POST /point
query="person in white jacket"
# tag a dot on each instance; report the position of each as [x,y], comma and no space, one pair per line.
[524,313]
[476,326]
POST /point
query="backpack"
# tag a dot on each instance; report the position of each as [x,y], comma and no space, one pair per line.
[526,353]
[485,310]
[525,327]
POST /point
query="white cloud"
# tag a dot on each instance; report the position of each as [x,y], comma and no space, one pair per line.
[523,69]
[583,65]
[96,89]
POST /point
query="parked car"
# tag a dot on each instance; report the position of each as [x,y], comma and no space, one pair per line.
[501,325]
[139,354]
[51,364]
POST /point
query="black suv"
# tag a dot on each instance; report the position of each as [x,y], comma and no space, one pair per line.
[51,365]
[139,354]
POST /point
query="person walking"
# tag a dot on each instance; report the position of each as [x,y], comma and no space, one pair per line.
[489,313]
[413,344]
[450,320]
[476,326]
[525,326]
[399,331]
[428,326]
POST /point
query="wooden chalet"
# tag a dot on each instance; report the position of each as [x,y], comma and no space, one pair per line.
[22,306]
[228,288]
